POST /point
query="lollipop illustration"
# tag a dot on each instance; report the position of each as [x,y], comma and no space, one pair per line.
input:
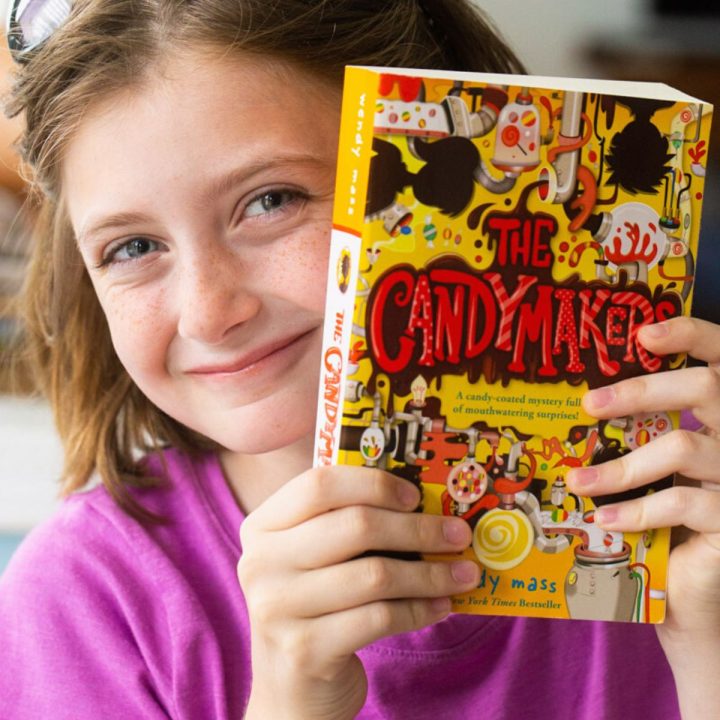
[641,429]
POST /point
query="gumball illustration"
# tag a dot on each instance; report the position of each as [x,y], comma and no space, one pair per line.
[467,483]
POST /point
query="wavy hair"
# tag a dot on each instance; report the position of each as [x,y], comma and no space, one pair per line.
[105,423]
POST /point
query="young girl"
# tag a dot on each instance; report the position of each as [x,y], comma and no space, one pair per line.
[183,152]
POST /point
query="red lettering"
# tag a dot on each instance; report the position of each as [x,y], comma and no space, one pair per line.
[535,321]
[450,323]
[589,309]
[665,310]
[448,315]
[508,305]
[333,364]
[480,304]
[566,331]
[544,229]
[421,318]
[614,330]
[402,283]
[640,305]
[522,241]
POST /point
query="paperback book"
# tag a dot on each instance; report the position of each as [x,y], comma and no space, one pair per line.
[498,241]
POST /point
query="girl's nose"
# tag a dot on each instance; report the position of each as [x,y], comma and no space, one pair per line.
[213,299]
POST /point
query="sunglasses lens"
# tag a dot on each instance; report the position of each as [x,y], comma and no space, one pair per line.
[36,20]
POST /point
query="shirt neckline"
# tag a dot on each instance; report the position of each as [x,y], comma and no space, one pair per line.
[215,492]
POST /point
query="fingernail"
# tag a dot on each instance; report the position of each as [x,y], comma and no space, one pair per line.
[408,494]
[456,532]
[606,515]
[656,330]
[583,477]
[464,571]
[601,396]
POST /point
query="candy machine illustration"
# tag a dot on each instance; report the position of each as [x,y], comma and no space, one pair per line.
[498,242]
[492,485]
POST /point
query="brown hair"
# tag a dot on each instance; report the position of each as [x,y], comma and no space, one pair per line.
[104,421]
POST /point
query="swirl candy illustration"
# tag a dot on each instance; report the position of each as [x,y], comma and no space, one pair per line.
[503,539]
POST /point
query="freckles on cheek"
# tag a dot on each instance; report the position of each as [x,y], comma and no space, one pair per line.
[136,329]
[304,267]
[310,276]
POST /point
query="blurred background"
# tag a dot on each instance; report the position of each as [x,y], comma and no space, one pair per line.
[672,42]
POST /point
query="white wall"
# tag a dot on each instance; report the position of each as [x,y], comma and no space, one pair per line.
[549,35]
[30,458]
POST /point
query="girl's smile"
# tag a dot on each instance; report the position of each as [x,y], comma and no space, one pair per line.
[203,213]
[255,361]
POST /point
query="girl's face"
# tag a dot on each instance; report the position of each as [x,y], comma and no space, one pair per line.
[201,202]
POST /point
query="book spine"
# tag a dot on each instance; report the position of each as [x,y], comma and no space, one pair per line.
[354,151]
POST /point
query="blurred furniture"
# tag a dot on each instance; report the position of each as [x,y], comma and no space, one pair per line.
[684,53]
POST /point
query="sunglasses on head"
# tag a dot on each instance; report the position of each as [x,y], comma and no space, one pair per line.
[31,22]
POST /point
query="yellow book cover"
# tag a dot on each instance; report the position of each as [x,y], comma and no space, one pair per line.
[497,243]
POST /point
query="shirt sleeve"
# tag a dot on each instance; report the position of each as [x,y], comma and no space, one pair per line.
[76,628]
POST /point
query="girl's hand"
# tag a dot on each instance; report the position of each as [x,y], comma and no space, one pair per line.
[314,600]
[691,633]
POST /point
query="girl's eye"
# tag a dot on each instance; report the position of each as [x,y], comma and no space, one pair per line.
[133,249]
[271,202]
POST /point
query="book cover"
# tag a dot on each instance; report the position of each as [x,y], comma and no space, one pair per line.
[497,243]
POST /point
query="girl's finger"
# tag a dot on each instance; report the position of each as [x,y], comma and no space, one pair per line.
[371,579]
[693,507]
[323,489]
[699,338]
[349,532]
[696,389]
[346,632]
[694,455]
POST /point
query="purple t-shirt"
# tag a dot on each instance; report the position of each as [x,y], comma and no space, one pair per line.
[101,617]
